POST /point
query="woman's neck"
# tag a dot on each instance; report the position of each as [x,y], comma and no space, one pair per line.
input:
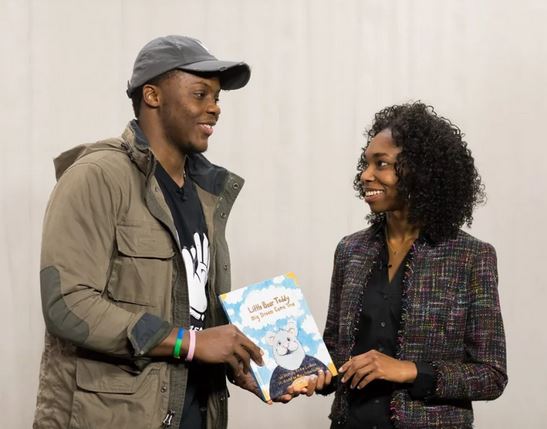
[398,228]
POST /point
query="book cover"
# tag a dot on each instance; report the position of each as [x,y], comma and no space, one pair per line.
[275,315]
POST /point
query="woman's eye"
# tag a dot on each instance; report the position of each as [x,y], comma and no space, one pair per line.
[382,164]
[199,94]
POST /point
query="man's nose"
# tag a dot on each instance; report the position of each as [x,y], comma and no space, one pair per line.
[214,109]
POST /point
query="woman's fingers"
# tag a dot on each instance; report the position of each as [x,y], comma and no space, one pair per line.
[328,378]
[312,384]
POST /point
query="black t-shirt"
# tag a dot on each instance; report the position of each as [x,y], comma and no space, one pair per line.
[191,228]
[192,231]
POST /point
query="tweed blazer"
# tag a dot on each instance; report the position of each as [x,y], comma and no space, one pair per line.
[450,319]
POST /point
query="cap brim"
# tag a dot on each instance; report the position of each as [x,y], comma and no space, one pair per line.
[232,75]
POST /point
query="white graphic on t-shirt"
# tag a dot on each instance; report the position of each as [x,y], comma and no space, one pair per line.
[196,261]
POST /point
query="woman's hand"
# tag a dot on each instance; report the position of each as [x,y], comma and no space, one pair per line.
[373,365]
[316,383]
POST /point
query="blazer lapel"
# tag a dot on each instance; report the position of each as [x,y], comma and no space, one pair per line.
[364,256]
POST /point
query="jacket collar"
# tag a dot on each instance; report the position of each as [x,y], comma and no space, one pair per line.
[206,175]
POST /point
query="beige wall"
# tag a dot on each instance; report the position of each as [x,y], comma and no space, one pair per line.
[320,70]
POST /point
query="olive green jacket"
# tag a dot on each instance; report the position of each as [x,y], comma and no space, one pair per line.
[113,285]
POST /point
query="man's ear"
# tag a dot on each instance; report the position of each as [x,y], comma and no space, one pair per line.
[151,96]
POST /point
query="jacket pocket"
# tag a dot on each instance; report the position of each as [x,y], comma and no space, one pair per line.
[107,396]
[142,270]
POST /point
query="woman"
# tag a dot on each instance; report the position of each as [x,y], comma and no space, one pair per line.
[414,320]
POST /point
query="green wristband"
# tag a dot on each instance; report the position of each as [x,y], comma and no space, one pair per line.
[178,344]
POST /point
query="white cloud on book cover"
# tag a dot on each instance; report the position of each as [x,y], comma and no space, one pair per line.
[323,354]
[309,327]
[234,296]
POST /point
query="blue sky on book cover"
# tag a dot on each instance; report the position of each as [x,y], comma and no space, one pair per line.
[272,308]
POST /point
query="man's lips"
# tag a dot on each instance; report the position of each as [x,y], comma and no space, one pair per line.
[206,128]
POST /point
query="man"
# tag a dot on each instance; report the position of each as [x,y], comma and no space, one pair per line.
[134,256]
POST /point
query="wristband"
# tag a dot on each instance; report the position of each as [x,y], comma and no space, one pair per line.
[178,343]
[192,345]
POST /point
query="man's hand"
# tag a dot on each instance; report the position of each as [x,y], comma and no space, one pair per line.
[373,365]
[247,381]
[227,344]
[316,383]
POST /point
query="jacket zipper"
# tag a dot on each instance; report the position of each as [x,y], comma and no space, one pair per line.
[168,419]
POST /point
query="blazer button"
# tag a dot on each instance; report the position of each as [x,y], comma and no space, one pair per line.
[163,389]
[225,267]
[223,215]
[235,186]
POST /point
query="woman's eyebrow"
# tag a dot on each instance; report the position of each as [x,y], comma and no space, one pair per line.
[378,155]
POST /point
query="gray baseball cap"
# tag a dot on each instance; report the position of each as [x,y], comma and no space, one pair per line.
[184,53]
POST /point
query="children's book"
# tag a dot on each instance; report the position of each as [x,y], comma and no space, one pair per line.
[275,315]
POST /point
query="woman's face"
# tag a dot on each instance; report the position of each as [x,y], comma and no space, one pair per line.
[379,178]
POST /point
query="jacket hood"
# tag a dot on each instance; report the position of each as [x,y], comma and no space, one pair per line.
[69,157]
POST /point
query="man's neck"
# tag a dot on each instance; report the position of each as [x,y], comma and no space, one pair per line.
[171,159]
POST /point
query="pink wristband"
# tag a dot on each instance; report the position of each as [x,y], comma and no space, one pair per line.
[192,346]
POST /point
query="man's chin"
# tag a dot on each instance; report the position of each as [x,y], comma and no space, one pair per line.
[189,149]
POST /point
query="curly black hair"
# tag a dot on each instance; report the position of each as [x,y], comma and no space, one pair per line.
[437,175]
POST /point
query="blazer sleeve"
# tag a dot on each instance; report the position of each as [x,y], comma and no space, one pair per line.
[77,248]
[330,335]
[483,375]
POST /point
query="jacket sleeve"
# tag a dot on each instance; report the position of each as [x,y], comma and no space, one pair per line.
[482,375]
[330,335]
[77,248]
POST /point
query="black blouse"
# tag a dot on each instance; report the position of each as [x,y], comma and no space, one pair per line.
[378,328]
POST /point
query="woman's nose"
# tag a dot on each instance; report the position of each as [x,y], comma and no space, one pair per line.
[367,175]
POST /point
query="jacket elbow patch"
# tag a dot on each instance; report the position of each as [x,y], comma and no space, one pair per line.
[60,321]
[148,332]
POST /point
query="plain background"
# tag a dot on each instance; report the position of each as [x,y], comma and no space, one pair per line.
[321,69]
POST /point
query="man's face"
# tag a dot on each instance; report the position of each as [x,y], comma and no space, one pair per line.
[188,110]
[380,179]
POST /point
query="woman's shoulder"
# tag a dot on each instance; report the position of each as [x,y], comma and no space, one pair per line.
[366,234]
[360,239]
[465,242]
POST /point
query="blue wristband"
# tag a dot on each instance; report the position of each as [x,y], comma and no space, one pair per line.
[178,344]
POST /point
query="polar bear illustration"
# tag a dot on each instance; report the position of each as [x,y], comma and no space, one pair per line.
[292,361]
